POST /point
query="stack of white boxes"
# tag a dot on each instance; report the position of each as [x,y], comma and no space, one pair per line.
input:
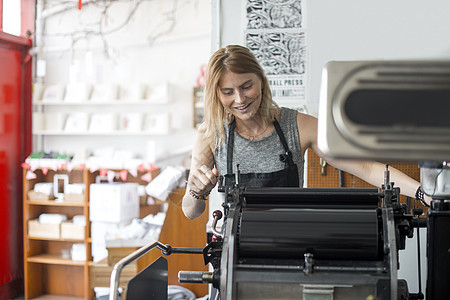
[112,206]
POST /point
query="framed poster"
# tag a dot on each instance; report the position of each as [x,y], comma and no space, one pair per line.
[277,38]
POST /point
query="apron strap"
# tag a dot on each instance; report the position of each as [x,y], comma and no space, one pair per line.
[230,145]
[282,138]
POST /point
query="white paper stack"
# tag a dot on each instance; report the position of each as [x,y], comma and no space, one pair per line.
[164,183]
[100,233]
[52,218]
[74,188]
[78,252]
[79,220]
[44,188]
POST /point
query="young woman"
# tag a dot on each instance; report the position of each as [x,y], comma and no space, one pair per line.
[243,125]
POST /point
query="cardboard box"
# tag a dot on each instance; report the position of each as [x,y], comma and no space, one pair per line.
[75,198]
[132,243]
[36,229]
[37,196]
[101,274]
[113,202]
[117,253]
[72,231]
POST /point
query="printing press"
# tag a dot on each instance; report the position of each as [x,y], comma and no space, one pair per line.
[294,243]
[285,243]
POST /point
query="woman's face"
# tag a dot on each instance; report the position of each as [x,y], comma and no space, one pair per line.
[241,94]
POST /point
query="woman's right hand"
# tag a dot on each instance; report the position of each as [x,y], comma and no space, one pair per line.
[203,180]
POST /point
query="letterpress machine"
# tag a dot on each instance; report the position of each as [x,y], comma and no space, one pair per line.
[294,243]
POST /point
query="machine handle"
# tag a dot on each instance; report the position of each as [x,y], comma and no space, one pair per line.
[165,249]
[195,277]
[217,215]
[115,274]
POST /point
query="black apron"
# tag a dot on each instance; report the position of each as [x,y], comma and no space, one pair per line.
[287,177]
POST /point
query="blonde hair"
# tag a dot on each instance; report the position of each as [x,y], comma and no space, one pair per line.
[239,60]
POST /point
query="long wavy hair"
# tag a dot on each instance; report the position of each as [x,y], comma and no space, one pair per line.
[239,60]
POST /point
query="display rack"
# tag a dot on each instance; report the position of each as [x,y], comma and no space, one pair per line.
[47,273]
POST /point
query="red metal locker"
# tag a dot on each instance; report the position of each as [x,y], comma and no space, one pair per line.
[15,146]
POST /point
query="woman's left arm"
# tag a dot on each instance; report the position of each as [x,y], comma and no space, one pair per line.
[370,171]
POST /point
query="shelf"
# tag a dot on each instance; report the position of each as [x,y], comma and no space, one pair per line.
[112,102]
[54,260]
[57,297]
[46,274]
[85,133]
[55,240]
[53,203]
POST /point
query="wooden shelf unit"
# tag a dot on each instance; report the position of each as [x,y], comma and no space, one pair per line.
[47,275]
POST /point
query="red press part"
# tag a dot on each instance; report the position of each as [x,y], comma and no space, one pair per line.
[80,4]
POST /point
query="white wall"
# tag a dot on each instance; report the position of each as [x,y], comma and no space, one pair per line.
[358,30]
[165,41]
[364,30]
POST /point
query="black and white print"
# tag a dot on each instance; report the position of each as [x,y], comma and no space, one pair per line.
[276,36]
[267,14]
[278,52]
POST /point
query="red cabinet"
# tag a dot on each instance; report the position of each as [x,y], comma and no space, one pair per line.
[15,146]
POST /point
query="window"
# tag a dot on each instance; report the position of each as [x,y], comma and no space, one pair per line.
[11,16]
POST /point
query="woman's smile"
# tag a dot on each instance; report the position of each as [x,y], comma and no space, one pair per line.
[240,94]
[243,108]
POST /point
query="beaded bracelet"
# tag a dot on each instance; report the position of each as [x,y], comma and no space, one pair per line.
[420,196]
[198,197]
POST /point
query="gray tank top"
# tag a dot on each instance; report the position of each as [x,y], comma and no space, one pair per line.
[263,155]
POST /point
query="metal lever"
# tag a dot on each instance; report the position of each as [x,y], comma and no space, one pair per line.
[115,274]
[220,187]
[387,179]
[237,175]
[195,277]
[309,263]
[165,249]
